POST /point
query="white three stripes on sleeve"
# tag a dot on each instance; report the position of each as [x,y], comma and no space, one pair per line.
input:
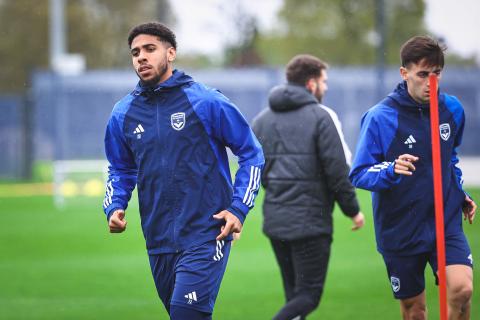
[108,195]
[378,167]
[253,185]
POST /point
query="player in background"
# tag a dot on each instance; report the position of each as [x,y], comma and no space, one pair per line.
[394,161]
[306,172]
[168,137]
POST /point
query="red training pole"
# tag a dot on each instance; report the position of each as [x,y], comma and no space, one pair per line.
[438,195]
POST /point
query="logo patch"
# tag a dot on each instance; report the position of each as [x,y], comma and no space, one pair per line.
[178,120]
[410,141]
[138,131]
[445,131]
[395,284]
[470,257]
[192,297]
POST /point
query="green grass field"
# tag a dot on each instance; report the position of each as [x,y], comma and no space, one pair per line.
[63,264]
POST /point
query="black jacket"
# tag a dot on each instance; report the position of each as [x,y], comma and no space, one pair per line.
[306,168]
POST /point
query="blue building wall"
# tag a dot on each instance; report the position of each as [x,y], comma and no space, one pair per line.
[71,111]
[12,137]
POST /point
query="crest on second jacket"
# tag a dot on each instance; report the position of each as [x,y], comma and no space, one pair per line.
[445,131]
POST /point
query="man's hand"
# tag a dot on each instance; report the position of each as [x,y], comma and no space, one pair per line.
[358,221]
[404,165]
[236,236]
[117,222]
[232,224]
[469,208]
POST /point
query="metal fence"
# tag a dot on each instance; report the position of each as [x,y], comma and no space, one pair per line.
[14,144]
[70,112]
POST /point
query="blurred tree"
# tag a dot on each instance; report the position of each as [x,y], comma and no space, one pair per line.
[24,44]
[196,61]
[341,31]
[404,20]
[242,51]
[96,29]
[245,53]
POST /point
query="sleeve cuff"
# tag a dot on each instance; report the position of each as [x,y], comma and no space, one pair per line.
[468,195]
[352,212]
[239,210]
[392,175]
[111,210]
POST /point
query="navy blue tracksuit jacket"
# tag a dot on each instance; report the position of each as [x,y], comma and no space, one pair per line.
[170,141]
[403,206]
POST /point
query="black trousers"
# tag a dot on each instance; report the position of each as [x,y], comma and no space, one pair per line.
[303,265]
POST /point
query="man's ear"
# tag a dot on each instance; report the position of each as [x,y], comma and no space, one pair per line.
[311,85]
[171,54]
[404,73]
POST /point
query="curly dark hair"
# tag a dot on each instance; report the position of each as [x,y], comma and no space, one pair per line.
[157,29]
[419,48]
[303,67]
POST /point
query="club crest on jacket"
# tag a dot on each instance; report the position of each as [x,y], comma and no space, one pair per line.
[445,131]
[178,120]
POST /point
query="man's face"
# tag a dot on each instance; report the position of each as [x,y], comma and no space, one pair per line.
[152,59]
[416,76]
[319,86]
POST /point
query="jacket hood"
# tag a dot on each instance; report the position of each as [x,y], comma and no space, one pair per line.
[288,97]
[178,79]
[403,98]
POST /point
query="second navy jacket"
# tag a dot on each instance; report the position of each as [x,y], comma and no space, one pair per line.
[403,206]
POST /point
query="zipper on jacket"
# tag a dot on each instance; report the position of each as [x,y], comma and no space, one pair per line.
[426,121]
[157,122]
[159,100]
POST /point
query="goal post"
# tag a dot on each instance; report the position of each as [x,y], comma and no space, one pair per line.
[78,180]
